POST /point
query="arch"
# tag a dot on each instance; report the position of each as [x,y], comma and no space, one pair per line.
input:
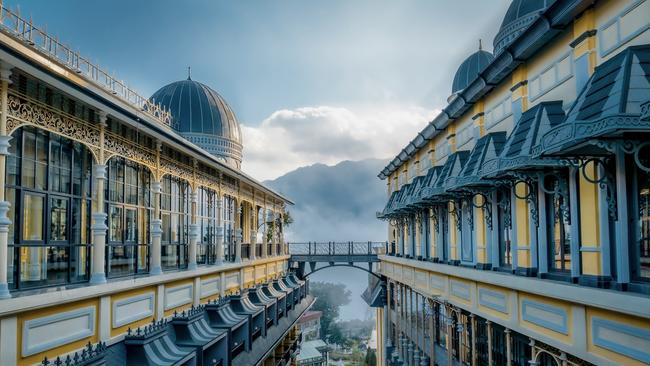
[546,357]
[342,265]
[91,148]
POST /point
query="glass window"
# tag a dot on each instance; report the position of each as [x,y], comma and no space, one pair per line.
[505,227]
[33,216]
[558,234]
[641,267]
[59,219]
[175,207]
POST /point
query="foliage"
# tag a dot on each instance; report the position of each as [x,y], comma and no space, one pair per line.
[329,299]
[371,358]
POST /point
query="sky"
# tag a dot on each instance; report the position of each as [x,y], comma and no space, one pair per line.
[310,81]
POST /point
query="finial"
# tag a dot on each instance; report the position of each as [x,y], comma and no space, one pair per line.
[480,44]
[189,73]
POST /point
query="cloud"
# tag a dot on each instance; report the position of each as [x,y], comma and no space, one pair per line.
[291,138]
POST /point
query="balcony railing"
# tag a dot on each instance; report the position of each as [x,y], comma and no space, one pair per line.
[337,248]
[14,25]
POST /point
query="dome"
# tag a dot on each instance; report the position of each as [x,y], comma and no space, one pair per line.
[469,69]
[519,16]
[203,117]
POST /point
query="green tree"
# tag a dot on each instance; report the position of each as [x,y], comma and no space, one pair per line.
[329,299]
[371,358]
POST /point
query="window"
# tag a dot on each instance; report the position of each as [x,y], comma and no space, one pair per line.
[48,180]
[629,24]
[498,113]
[229,227]
[505,228]
[641,216]
[559,239]
[466,237]
[175,211]
[129,213]
[559,71]
[207,220]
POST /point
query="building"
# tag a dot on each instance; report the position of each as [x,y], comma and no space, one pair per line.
[126,221]
[309,325]
[518,217]
[313,353]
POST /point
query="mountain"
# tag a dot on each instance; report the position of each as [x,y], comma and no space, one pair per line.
[335,203]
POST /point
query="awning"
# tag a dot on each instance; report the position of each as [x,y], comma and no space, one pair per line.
[258,297]
[613,105]
[280,297]
[152,345]
[487,148]
[522,147]
[452,167]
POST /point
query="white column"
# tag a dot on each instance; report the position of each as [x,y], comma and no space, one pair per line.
[5,73]
[219,232]
[508,348]
[193,231]
[156,231]
[99,227]
[265,241]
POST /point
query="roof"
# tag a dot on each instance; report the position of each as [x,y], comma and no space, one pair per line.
[610,104]
[308,351]
[310,315]
[487,147]
[521,149]
[469,69]
[197,108]
[556,17]
[520,14]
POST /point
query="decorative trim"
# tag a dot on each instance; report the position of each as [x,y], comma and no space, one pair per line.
[57,339]
[618,342]
[460,290]
[181,301]
[586,34]
[494,300]
[518,85]
[437,282]
[541,314]
[590,249]
[210,287]
[131,317]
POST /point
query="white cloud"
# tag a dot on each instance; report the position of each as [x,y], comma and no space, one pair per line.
[289,139]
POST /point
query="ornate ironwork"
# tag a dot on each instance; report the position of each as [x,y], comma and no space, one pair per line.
[560,189]
[604,180]
[531,194]
[504,204]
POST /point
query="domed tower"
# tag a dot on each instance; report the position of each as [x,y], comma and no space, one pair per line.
[203,117]
[469,70]
[519,16]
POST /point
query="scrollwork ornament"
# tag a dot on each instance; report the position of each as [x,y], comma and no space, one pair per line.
[605,182]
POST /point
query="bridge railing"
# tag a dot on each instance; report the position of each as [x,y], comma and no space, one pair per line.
[338,248]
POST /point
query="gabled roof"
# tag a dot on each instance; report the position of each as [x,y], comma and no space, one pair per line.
[610,105]
[521,149]
[452,167]
[487,147]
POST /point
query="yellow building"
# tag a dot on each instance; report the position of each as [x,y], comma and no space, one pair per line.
[126,221]
[518,218]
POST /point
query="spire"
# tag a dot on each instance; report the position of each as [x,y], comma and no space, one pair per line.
[480,44]
[189,73]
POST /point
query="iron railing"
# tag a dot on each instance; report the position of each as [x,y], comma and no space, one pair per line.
[12,24]
[338,248]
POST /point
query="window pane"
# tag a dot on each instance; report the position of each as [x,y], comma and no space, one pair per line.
[643,233]
[59,219]
[43,265]
[131,226]
[170,256]
[79,260]
[121,260]
[116,225]
[33,217]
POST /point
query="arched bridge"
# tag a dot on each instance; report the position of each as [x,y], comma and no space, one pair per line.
[360,255]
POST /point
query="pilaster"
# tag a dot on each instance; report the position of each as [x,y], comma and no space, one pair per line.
[5,74]
[156,231]
[193,231]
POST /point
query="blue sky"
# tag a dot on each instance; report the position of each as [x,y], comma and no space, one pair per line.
[310,81]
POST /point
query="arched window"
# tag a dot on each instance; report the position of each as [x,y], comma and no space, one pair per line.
[48,184]
[175,211]
[129,208]
[207,220]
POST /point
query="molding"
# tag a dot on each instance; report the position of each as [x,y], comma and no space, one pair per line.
[621,338]
[586,34]
[541,314]
[133,314]
[460,289]
[518,85]
[494,300]
[54,336]
[211,286]
[181,301]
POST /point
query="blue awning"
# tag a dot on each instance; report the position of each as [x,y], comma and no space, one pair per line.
[487,148]
[614,104]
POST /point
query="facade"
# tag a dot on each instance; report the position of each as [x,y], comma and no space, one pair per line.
[309,325]
[518,217]
[125,221]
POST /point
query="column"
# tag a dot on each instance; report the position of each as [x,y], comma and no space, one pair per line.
[434,329]
[474,355]
[193,230]
[253,233]
[5,73]
[508,347]
[238,231]
[99,227]
[156,230]
[219,230]
[489,341]
[448,325]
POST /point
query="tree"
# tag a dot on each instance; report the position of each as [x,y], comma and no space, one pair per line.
[371,358]
[329,299]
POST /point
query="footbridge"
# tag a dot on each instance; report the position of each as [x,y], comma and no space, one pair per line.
[310,257]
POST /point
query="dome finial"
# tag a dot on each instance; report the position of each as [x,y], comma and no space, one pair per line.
[189,73]
[480,44]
